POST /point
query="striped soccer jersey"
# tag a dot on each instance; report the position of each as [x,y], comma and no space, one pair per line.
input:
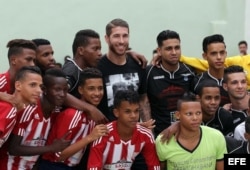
[5,82]
[80,126]
[110,152]
[34,128]
[7,121]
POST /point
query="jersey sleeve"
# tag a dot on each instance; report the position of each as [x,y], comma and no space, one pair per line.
[228,128]
[221,146]
[149,153]
[4,111]
[95,160]
[7,119]
[71,72]
[23,119]
[160,149]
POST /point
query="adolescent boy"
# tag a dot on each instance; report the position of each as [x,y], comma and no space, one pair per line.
[126,138]
[30,133]
[28,84]
[75,121]
[196,147]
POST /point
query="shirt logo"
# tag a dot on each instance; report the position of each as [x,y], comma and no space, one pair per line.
[185,76]
[111,139]
[158,77]
[36,116]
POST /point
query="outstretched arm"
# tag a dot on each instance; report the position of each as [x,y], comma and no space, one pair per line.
[17,149]
[139,58]
[145,111]
[173,129]
[98,131]
[91,110]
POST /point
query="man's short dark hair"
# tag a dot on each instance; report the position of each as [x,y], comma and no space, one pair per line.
[204,84]
[216,38]
[187,97]
[27,69]
[126,95]
[82,38]
[40,41]
[89,73]
[230,70]
[115,23]
[52,73]
[16,46]
[165,35]
[242,42]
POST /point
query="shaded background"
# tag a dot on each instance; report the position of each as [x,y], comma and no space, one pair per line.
[58,21]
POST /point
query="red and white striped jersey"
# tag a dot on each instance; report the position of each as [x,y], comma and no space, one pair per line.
[80,126]
[7,121]
[110,152]
[5,82]
[34,129]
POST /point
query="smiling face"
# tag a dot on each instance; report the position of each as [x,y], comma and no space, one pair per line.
[92,90]
[210,100]
[118,40]
[236,85]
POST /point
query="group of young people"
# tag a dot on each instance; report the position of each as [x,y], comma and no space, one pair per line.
[105,111]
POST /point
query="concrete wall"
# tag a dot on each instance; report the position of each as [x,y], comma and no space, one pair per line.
[59,20]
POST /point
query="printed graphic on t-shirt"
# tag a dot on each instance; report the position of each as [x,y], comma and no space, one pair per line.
[126,81]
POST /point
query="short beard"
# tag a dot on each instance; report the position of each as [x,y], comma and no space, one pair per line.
[111,48]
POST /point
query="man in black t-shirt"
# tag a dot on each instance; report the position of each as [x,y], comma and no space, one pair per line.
[167,83]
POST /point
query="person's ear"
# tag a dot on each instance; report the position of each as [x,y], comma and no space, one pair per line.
[198,97]
[224,85]
[159,51]
[116,112]
[177,115]
[80,50]
[204,55]
[18,86]
[247,136]
[106,39]
[44,90]
[80,89]
[13,60]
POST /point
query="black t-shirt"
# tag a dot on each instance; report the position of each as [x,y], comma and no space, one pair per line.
[72,72]
[222,121]
[239,116]
[235,146]
[164,88]
[129,76]
[205,76]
